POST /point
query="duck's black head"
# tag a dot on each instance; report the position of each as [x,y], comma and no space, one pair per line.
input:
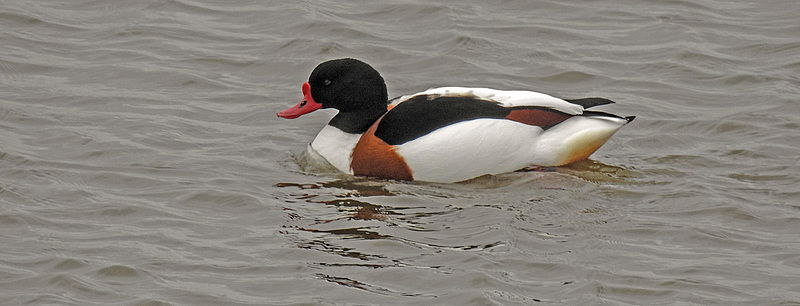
[348,85]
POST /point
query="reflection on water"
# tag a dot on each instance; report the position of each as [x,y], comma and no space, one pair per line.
[351,215]
[600,173]
[344,281]
[357,223]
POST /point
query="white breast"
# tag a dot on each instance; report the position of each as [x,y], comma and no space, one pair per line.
[336,146]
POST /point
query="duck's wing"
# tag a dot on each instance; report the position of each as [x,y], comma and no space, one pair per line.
[416,115]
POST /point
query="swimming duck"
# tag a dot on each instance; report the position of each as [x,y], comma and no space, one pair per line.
[446,134]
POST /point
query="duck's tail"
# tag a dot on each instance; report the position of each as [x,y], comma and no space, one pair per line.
[577,138]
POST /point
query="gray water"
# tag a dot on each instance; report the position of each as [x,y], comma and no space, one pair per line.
[141,161]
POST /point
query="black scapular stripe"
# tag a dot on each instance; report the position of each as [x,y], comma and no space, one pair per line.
[423,114]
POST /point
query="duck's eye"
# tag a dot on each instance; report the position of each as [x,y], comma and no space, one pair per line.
[326,82]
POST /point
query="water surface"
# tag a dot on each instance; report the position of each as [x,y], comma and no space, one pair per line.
[141,161]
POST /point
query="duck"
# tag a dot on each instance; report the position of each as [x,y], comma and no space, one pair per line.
[445,134]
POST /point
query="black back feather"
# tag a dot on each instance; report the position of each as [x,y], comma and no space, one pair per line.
[590,102]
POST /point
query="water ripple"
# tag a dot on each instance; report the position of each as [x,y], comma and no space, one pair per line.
[141,161]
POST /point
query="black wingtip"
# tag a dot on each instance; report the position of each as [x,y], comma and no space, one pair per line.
[630,118]
[590,102]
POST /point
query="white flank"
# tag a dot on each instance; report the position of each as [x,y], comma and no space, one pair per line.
[469,149]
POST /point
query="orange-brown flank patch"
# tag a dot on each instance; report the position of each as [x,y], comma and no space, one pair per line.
[537,117]
[375,158]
